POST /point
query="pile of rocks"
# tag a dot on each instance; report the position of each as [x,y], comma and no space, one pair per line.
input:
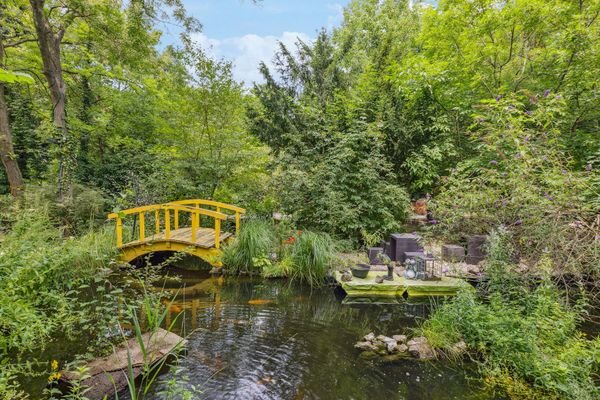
[395,347]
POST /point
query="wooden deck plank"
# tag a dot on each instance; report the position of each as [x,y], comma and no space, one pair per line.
[205,237]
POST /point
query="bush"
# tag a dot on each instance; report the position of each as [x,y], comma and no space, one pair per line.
[522,180]
[250,248]
[523,335]
[41,275]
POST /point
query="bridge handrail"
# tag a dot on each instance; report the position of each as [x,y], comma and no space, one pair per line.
[167,208]
[219,206]
[213,203]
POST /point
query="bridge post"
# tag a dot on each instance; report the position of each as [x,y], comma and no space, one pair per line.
[142,227]
[194,226]
[119,232]
[237,222]
[217,233]
[167,224]
[176,218]
[157,221]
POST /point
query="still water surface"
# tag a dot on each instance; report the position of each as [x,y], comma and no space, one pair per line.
[267,339]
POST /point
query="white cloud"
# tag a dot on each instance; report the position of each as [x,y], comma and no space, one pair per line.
[246,52]
[337,15]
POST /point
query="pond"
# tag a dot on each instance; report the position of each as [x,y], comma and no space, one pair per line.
[266,339]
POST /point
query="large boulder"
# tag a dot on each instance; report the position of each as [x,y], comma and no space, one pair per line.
[420,348]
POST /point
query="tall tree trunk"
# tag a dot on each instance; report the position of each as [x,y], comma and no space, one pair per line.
[7,155]
[49,43]
[13,172]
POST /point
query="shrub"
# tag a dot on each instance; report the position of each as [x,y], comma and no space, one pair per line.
[523,335]
[254,242]
[522,180]
[41,275]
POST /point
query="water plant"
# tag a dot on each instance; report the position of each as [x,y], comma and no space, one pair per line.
[154,312]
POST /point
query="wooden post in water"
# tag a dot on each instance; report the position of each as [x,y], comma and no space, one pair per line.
[142,227]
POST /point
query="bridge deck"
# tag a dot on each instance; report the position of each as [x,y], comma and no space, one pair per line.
[205,237]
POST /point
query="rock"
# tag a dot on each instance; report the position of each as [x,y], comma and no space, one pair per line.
[459,348]
[400,338]
[346,277]
[391,346]
[476,249]
[473,269]
[369,337]
[379,279]
[365,346]
[402,348]
[380,346]
[385,339]
[419,348]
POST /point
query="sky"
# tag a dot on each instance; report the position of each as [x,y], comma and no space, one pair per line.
[247,33]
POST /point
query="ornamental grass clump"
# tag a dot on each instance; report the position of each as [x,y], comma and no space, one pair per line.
[311,257]
[250,248]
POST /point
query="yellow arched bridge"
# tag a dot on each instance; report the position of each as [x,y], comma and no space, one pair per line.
[193,226]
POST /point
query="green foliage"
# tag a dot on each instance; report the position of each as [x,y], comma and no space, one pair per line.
[38,268]
[14,77]
[311,257]
[254,244]
[523,181]
[522,333]
[331,170]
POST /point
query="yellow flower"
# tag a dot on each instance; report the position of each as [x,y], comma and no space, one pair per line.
[54,377]
[54,365]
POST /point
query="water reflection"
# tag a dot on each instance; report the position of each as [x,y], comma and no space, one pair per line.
[254,339]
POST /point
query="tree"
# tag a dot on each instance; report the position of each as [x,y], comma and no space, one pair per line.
[12,34]
[49,37]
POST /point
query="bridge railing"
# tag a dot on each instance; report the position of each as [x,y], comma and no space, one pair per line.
[167,210]
[219,207]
